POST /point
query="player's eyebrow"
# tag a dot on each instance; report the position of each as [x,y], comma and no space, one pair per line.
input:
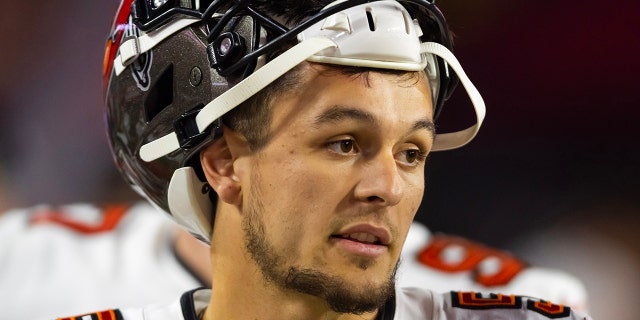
[425,124]
[339,113]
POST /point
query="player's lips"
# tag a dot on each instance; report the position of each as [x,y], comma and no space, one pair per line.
[365,240]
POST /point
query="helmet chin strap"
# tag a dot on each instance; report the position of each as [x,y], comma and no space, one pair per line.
[453,140]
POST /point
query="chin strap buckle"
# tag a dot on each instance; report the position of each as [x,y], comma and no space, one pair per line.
[187,131]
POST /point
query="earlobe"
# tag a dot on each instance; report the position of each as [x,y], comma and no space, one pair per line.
[217,164]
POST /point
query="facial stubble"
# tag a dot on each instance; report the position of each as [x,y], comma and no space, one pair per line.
[275,269]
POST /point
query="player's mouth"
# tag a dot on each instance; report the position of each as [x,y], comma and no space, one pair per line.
[363,240]
[362,237]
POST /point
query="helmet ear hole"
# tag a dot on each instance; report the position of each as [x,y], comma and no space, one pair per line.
[160,94]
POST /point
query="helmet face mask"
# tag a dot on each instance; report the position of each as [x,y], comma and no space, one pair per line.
[171,72]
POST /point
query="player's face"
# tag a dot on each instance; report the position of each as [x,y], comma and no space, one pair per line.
[329,200]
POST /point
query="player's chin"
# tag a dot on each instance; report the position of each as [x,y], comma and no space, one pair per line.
[364,268]
[371,272]
[372,287]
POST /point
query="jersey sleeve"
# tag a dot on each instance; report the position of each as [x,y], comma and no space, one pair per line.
[443,262]
[460,305]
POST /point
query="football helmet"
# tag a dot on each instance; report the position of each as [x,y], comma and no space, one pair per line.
[173,67]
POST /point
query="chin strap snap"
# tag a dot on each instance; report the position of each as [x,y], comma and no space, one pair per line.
[134,46]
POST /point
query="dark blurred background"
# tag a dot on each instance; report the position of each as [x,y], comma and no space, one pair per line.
[554,174]
[555,166]
[560,80]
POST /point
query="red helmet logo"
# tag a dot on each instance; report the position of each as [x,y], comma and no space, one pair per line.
[115,37]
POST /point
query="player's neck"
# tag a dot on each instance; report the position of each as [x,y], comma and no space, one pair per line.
[247,297]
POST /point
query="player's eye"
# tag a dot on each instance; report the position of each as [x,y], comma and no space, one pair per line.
[412,157]
[343,146]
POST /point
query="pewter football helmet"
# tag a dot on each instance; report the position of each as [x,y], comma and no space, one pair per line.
[174,67]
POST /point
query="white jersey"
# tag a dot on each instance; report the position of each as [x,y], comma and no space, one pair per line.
[79,258]
[443,262]
[408,304]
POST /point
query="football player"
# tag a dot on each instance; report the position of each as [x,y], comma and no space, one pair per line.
[291,136]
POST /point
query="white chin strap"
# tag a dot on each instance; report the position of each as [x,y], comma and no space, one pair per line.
[453,140]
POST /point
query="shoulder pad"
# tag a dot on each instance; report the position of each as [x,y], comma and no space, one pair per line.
[489,266]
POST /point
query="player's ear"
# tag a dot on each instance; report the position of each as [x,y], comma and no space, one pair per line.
[217,164]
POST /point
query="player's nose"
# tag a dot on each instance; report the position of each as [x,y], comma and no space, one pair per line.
[380,181]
